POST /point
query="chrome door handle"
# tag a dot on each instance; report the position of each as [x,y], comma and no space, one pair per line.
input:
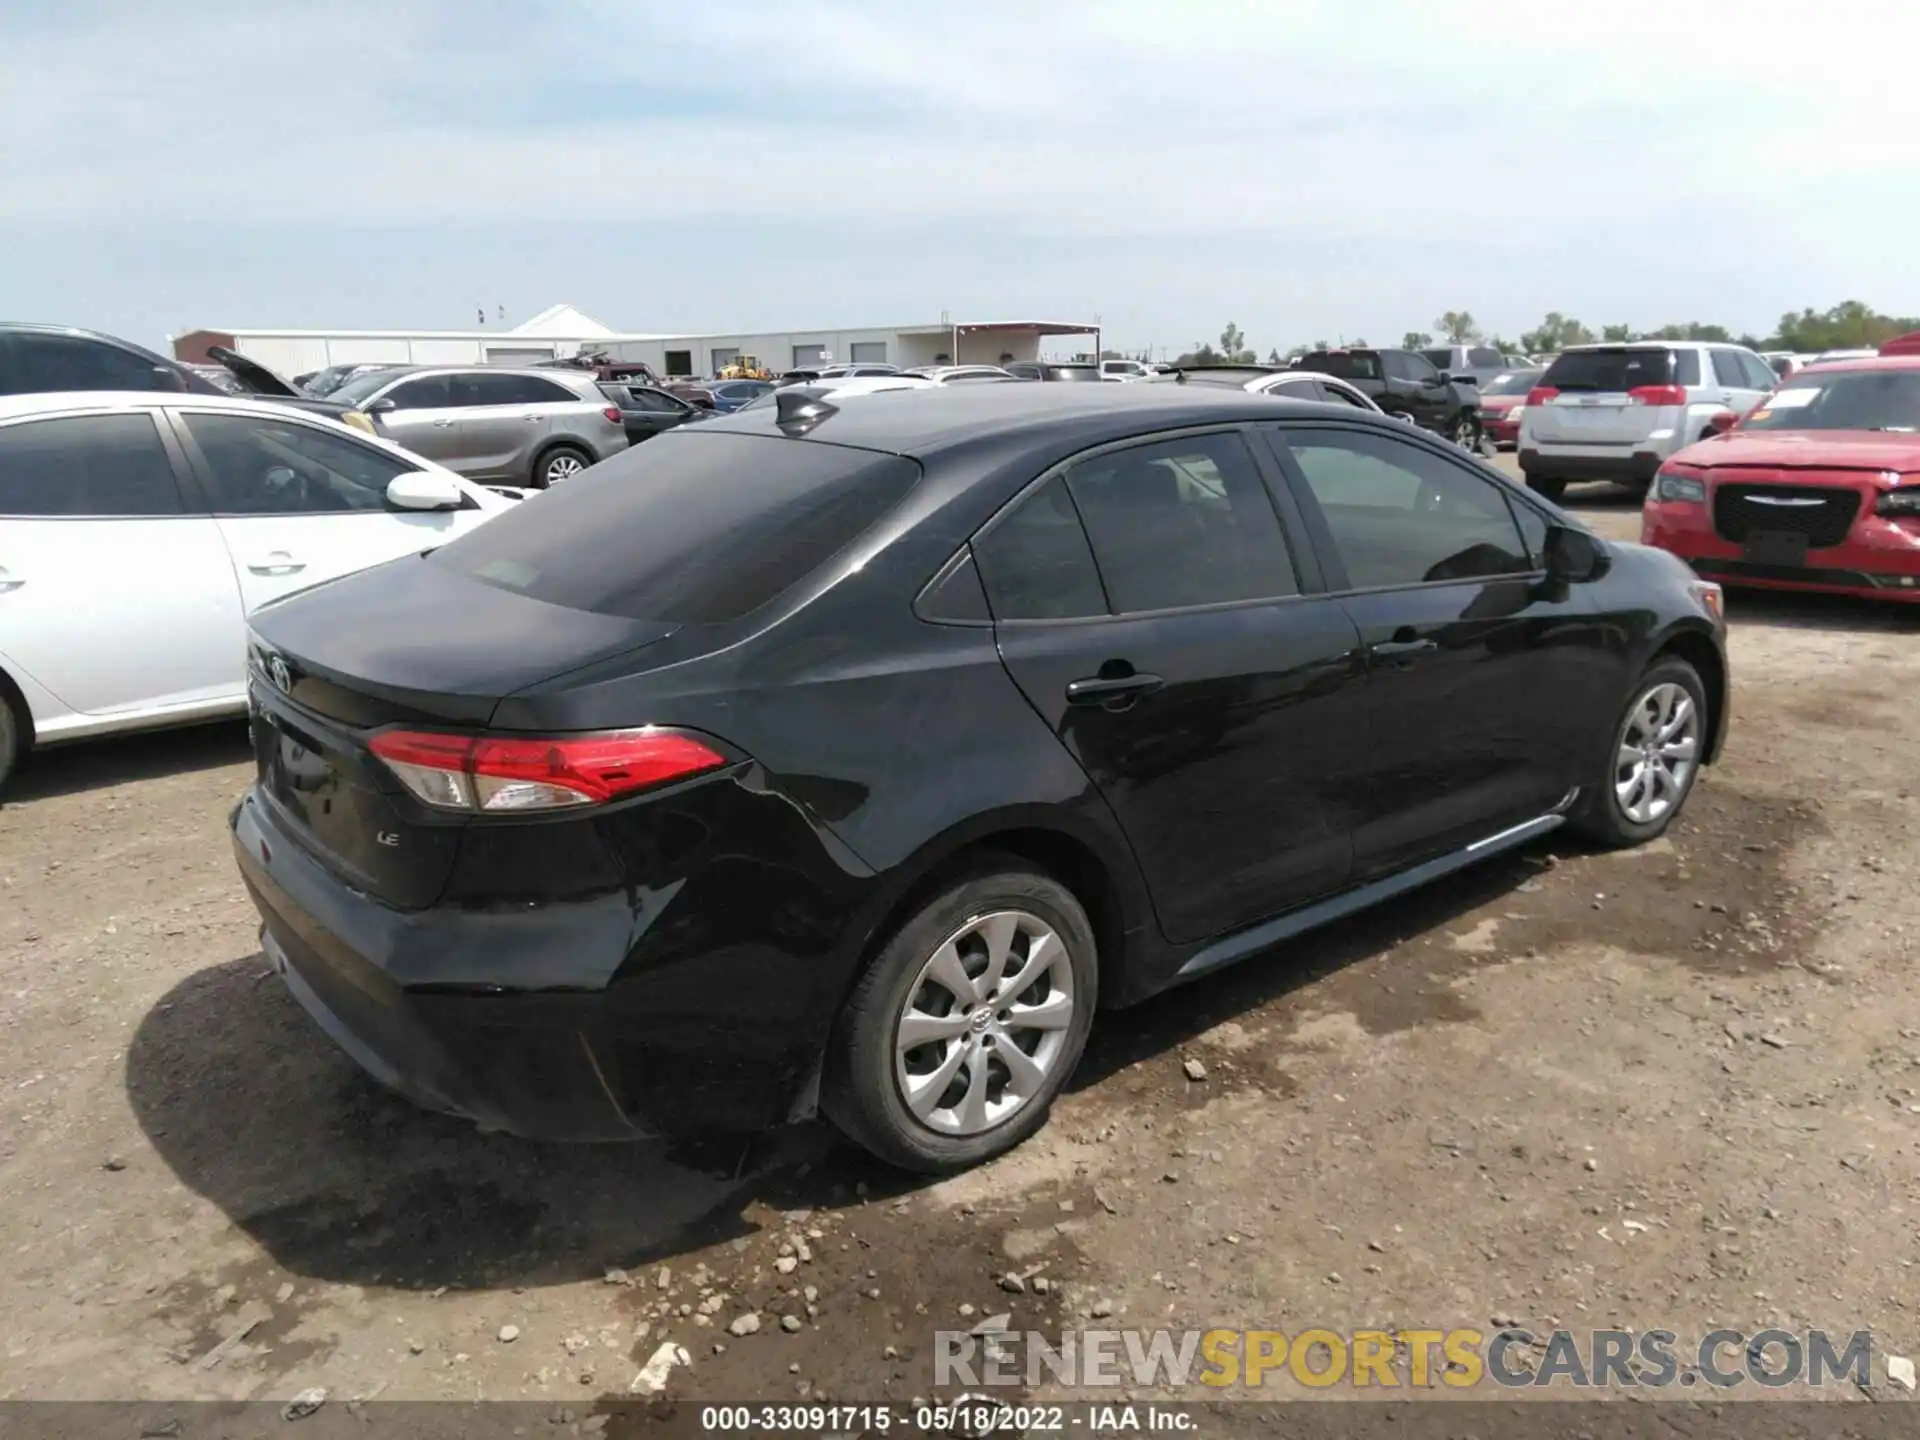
[277,563]
[1402,649]
[1099,690]
[9,581]
[443,423]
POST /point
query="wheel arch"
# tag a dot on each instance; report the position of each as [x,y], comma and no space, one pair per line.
[15,699]
[559,442]
[1699,650]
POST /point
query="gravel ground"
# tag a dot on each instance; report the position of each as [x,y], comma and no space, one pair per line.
[1675,1087]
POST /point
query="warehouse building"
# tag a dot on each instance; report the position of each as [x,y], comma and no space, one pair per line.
[562,331]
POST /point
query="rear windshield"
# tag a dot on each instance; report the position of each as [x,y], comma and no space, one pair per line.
[1344,364]
[1514,382]
[1846,400]
[1611,370]
[689,529]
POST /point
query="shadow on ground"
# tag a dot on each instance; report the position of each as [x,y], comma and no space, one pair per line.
[122,760]
[336,1178]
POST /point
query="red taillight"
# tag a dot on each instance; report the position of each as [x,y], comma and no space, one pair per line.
[1658,395]
[1540,394]
[500,773]
[612,412]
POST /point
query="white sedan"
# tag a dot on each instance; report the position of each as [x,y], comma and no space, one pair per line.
[138,531]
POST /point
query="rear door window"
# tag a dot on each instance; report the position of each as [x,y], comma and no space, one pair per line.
[1485,359]
[689,528]
[1728,370]
[86,466]
[427,393]
[1182,523]
[1614,370]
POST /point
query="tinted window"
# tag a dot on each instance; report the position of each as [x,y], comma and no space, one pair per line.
[1613,370]
[87,465]
[1341,396]
[1303,387]
[1036,563]
[1415,367]
[1759,375]
[1440,359]
[1401,515]
[427,393]
[654,400]
[1486,359]
[689,527]
[258,466]
[364,384]
[1183,522]
[43,363]
[1728,370]
[1344,364]
[1686,367]
[513,390]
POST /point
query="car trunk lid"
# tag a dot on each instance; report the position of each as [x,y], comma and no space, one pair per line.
[407,644]
[1601,396]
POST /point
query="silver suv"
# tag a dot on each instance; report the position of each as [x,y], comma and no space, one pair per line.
[1617,412]
[514,427]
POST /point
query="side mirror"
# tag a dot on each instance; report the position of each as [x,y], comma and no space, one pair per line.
[1723,422]
[385,406]
[418,490]
[1573,555]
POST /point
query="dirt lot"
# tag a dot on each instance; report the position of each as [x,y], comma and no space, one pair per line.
[1675,1087]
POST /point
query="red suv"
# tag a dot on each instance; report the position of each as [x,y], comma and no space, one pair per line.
[1817,489]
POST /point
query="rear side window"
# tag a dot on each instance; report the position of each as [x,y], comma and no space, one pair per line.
[1182,523]
[1036,563]
[690,529]
[511,390]
[1728,370]
[1485,359]
[92,465]
[1439,358]
[1344,364]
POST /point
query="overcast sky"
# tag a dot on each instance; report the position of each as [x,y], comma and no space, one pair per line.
[1306,170]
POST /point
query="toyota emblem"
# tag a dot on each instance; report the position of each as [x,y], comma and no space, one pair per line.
[281,676]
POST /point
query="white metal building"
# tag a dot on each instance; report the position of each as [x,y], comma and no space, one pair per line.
[562,331]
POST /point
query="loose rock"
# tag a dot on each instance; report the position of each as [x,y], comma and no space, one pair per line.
[747,1324]
[652,1378]
[509,1334]
[304,1404]
[1195,1070]
[790,1324]
[1013,1284]
[1900,1371]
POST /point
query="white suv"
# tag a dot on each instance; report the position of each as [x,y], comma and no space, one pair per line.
[1617,412]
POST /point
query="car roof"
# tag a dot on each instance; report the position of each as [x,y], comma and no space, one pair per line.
[50,402]
[924,422]
[1864,362]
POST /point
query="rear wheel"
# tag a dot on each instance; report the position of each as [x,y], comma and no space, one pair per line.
[563,462]
[13,730]
[1465,433]
[1547,489]
[968,1023]
[1653,760]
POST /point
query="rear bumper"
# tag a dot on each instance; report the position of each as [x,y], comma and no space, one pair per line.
[537,1049]
[1877,558]
[1625,467]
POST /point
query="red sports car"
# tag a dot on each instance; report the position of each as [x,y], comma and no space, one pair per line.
[1500,401]
[1817,489]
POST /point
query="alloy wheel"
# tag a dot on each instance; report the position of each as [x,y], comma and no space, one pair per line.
[984,1024]
[563,466]
[1463,435]
[1659,748]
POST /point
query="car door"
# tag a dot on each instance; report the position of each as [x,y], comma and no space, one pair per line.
[1151,608]
[418,414]
[115,589]
[297,504]
[652,411]
[1483,679]
[1737,390]
[1429,398]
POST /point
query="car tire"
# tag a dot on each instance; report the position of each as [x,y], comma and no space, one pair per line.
[1547,489]
[13,732]
[1465,433]
[867,1084]
[562,462]
[1668,738]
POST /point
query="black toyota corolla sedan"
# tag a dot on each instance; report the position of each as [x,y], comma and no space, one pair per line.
[848,756]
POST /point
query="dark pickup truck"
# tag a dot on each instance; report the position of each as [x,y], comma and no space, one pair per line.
[1405,383]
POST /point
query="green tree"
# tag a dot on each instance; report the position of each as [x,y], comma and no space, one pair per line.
[1692,330]
[1555,332]
[1233,346]
[1415,340]
[1850,325]
[1616,334]
[1273,356]
[1458,327]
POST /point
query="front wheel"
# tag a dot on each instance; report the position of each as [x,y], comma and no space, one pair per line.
[968,1023]
[1466,434]
[1653,761]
